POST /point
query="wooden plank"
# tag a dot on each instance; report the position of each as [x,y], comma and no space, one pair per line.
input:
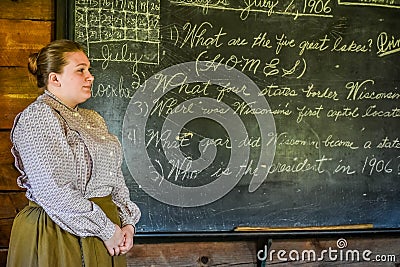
[17,80]
[5,148]
[243,253]
[3,256]
[32,9]
[17,90]
[11,204]
[343,251]
[8,177]
[12,104]
[5,231]
[19,38]
[238,253]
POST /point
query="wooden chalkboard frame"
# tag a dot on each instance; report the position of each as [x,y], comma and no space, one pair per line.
[64,19]
[64,29]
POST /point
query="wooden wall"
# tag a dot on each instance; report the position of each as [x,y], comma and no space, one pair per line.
[27,25]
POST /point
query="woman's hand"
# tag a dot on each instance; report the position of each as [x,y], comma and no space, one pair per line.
[115,242]
[129,233]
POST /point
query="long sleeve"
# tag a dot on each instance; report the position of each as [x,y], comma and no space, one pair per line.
[50,168]
[129,212]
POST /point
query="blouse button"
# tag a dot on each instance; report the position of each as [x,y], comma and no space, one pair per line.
[88,126]
[103,137]
[76,114]
[111,153]
[111,173]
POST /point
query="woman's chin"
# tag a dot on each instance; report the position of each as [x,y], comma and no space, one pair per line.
[86,96]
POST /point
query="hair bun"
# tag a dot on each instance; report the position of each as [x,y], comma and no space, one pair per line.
[32,63]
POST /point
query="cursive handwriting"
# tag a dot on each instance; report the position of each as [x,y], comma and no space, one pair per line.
[266,5]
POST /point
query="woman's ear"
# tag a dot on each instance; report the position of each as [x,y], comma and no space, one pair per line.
[53,79]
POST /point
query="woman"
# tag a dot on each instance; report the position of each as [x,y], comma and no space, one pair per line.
[79,211]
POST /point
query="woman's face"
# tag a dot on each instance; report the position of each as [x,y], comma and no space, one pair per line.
[75,80]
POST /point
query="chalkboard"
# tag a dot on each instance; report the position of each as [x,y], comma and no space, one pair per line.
[250,113]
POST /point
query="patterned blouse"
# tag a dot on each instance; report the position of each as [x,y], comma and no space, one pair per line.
[65,157]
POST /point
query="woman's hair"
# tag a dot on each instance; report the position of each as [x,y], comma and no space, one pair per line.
[51,58]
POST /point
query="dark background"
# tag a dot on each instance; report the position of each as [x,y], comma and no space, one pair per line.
[285,199]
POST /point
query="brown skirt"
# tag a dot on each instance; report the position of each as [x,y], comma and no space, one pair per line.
[36,241]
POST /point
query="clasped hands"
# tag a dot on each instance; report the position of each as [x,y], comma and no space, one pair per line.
[122,240]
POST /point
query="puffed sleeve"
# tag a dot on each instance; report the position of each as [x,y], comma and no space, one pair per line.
[48,164]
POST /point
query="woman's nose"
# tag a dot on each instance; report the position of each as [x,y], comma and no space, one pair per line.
[90,77]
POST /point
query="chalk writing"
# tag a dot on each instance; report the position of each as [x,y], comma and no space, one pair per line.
[276,90]
[301,165]
[331,142]
[126,24]
[345,112]
[122,90]
[310,92]
[165,139]
[388,143]
[244,108]
[315,85]
[171,106]
[196,35]
[375,165]
[306,111]
[362,91]
[309,8]
[284,139]
[319,45]
[346,169]
[353,46]
[381,3]
[374,111]
[387,44]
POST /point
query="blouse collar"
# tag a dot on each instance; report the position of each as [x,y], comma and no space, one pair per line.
[47,92]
